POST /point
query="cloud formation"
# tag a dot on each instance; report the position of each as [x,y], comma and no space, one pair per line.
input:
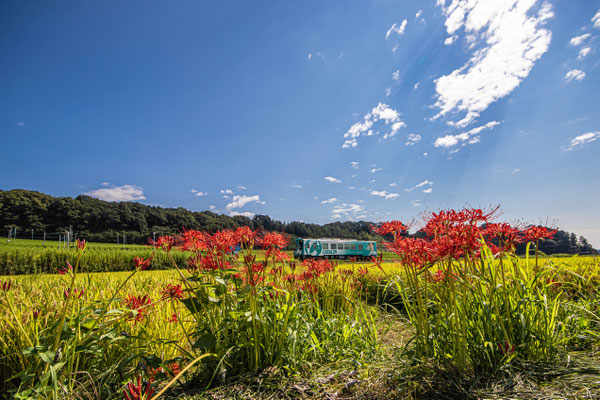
[412,139]
[576,74]
[382,112]
[384,194]
[420,185]
[395,28]
[577,40]
[239,201]
[512,39]
[582,139]
[118,193]
[329,201]
[470,136]
[198,193]
[350,211]
[332,179]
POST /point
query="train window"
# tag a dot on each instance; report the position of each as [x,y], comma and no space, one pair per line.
[360,246]
[347,246]
[353,247]
[325,246]
[333,246]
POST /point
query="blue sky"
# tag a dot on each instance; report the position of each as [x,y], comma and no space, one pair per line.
[315,111]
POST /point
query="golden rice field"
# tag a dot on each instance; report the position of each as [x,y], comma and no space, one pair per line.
[221,321]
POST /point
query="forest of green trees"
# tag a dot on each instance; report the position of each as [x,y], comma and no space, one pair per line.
[102,221]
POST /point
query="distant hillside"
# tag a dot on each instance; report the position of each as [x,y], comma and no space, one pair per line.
[101,221]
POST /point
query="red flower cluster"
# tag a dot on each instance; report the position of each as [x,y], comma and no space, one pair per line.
[76,292]
[394,227]
[138,391]
[6,286]
[68,270]
[172,292]
[139,304]
[172,369]
[81,245]
[165,243]
[274,243]
[453,234]
[141,264]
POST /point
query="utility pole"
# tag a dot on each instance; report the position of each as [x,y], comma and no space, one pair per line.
[44,242]
[59,237]
[32,234]
[153,241]
[117,239]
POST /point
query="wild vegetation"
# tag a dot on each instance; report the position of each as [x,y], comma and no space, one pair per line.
[456,314]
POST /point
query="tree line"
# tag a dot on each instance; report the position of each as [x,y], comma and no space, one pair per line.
[101,221]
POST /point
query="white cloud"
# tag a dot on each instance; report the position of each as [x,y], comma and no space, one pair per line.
[212,207]
[21,123]
[417,85]
[239,201]
[105,184]
[399,29]
[388,91]
[418,14]
[373,170]
[382,112]
[350,211]
[309,56]
[354,164]
[332,179]
[226,191]
[428,190]
[396,75]
[419,185]
[584,52]
[384,194]
[329,201]
[118,193]
[243,214]
[198,193]
[412,139]
[596,20]
[416,203]
[296,186]
[241,187]
[393,184]
[512,41]
[577,40]
[576,74]
[516,171]
[450,39]
[425,154]
[582,139]
[453,140]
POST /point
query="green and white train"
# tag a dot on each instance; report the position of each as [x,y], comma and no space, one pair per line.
[334,249]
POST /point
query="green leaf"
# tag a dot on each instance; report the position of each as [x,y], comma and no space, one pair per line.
[47,356]
[192,304]
[205,341]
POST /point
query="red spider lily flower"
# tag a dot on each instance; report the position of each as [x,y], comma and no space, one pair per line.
[139,304]
[505,348]
[193,240]
[139,391]
[163,242]
[172,318]
[81,244]
[245,235]
[362,271]
[141,264]
[172,292]
[76,292]
[6,286]
[535,233]
[35,314]
[68,270]
[273,240]
[394,227]
[172,369]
